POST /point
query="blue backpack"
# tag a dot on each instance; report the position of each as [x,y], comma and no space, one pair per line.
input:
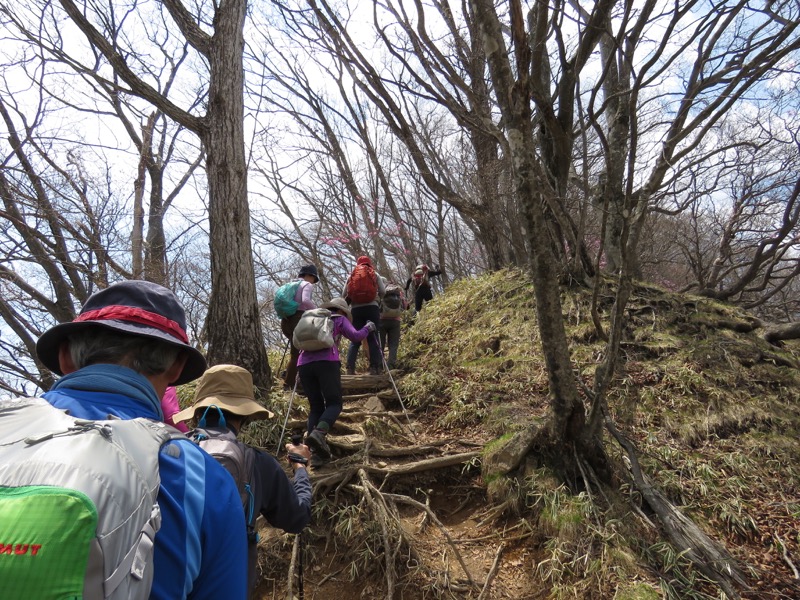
[285,304]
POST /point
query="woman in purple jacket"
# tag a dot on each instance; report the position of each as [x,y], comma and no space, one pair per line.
[320,373]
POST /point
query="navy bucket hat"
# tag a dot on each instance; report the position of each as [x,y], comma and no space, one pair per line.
[134,307]
[309,270]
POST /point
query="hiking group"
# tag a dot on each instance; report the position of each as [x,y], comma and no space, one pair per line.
[105,492]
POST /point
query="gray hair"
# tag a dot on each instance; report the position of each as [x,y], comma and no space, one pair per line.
[144,355]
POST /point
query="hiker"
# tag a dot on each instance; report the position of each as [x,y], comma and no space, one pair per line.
[421,281]
[116,359]
[170,406]
[393,305]
[363,292]
[321,375]
[224,404]
[303,288]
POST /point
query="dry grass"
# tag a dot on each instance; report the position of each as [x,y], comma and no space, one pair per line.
[714,417]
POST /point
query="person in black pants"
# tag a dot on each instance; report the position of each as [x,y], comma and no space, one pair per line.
[308,276]
[320,373]
[362,312]
[420,281]
[224,404]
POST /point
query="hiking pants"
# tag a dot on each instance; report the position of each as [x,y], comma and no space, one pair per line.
[362,314]
[288,325]
[322,383]
[423,294]
[390,330]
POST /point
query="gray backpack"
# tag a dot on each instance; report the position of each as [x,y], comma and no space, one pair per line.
[78,503]
[392,302]
[314,330]
[238,460]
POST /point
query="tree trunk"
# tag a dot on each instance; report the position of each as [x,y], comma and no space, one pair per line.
[529,182]
[233,324]
[155,250]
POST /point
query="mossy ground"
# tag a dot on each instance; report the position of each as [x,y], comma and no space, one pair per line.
[713,412]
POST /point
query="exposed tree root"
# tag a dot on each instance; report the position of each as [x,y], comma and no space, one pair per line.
[492,572]
[706,554]
[393,537]
[432,516]
[389,523]
[342,476]
[398,544]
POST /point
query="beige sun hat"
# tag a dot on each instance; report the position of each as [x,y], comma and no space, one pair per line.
[230,388]
[338,304]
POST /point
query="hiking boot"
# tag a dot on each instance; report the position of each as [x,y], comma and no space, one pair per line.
[318,461]
[374,371]
[351,371]
[317,443]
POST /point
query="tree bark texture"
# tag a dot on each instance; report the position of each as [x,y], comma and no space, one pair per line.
[233,325]
[515,103]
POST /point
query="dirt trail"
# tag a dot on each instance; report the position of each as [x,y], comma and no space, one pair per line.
[423,492]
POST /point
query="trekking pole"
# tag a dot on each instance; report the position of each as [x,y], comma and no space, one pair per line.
[286,420]
[396,391]
[285,350]
[297,439]
[300,565]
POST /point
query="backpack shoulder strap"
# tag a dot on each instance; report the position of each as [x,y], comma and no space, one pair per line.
[124,458]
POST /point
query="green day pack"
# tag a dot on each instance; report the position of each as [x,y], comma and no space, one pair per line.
[284,302]
[78,509]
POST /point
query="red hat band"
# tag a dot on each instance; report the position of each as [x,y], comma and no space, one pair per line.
[135,315]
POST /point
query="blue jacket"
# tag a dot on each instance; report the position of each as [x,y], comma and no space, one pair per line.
[201,548]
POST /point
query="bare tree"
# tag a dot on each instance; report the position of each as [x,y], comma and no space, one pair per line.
[349,188]
[60,242]
[114,45]
[754,224]
[411,92]
[721,55]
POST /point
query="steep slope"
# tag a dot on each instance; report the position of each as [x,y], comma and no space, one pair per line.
[405,510]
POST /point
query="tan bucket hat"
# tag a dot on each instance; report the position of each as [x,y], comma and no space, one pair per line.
[230,388]
[338,304]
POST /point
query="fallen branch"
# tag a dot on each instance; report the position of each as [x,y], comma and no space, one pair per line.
[329,576]
[327,481]
[368,413]
[786,558]
[382,394]
[432,463]
[292,567]
[362,382]
[393,452]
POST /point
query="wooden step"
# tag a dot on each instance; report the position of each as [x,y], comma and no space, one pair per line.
[365,382]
